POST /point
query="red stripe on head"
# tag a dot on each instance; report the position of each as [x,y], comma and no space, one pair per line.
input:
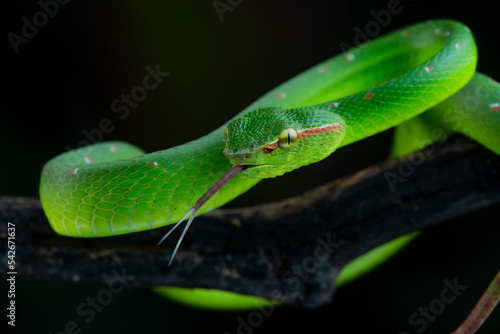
[317,131]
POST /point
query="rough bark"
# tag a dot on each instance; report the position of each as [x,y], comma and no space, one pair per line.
[255,250]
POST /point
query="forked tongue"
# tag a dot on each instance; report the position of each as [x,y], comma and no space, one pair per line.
[202,200]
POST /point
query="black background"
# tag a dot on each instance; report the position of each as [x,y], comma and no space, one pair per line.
[64,80]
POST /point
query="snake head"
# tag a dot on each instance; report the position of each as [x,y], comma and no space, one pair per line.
[277,140]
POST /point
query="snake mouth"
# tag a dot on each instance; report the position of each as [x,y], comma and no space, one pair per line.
[242,168]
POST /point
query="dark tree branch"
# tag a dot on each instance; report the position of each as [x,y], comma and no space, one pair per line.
[252,250]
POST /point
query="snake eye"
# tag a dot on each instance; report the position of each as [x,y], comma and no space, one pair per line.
[288,138]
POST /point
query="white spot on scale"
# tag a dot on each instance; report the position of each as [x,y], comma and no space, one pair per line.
[428,69]
[350,57]
[334,104]
[447,33]
[495,106]
[73,171]
[281,95]
[88,160]
[437,31]
[457,45]
[113,148]
[322,69]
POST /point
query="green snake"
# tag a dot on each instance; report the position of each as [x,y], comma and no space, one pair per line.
[113,188]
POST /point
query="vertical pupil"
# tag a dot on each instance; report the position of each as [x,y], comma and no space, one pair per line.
[289,140]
